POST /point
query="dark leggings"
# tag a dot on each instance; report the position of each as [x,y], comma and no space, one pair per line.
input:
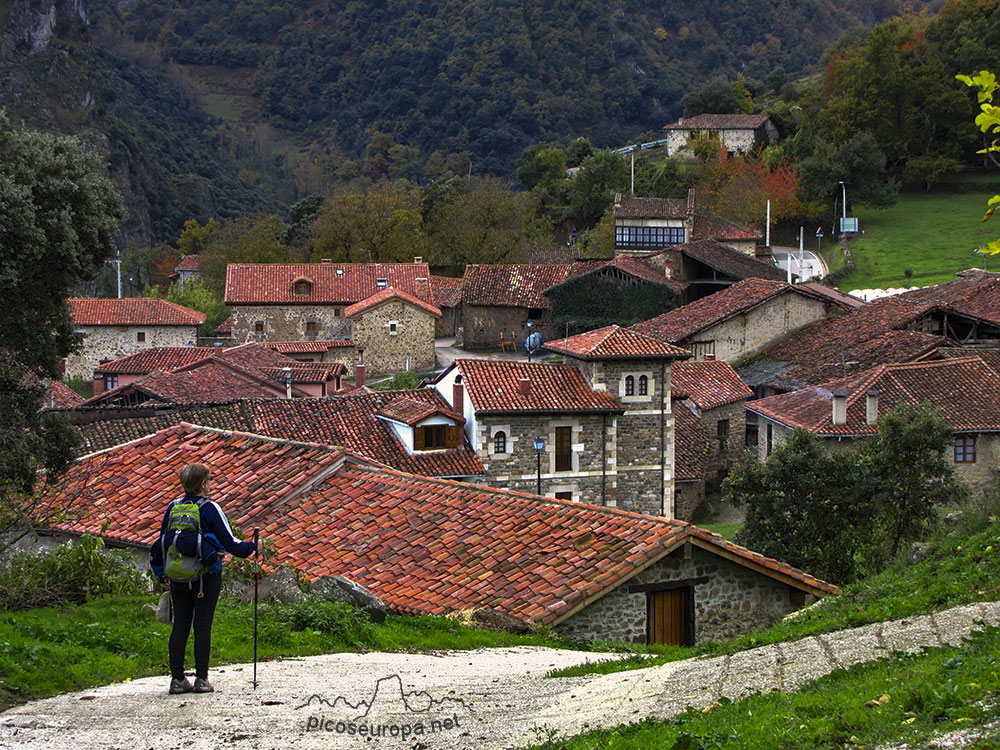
[187,608]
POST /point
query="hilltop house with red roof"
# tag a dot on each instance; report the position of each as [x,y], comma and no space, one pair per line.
[737,133]
[187,269]
[386,308]
[745,318]
[965,391]
[433,546]
[114,328]
[648,224]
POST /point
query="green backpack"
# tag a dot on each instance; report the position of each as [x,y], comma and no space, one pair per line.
[178,567]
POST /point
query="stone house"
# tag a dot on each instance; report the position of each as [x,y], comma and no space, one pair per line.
[114,328]
[430,546]
[965,391]
[447,292]
[644,224]
[187,269]
[343,351]
[745,318]
[737,134]
[396,330]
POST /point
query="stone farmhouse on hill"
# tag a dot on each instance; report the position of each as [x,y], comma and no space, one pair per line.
[643,225]
[114,328]
[433,546]
[965,391]
[187,269]
[902,328]
[385,308]
[745,318]
[737,133]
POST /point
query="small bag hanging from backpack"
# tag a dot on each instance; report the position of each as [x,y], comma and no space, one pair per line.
[177,566]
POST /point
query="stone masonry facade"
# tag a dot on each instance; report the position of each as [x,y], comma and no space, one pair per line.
[481,325]
[644,434]
[289,322]
[105,343]
[397,336]
[732,602]
[516,468]
[728,448]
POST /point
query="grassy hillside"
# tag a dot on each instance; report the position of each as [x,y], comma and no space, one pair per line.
[934,234]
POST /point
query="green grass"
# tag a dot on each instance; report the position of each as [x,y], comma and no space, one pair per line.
[725,530]
[905,698]
[958,569]
[934,234]
[53,650]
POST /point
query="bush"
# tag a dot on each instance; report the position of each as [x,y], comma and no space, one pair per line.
[68,574]
[339,620]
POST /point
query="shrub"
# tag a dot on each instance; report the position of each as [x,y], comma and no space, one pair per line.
[68,574]
[339,620]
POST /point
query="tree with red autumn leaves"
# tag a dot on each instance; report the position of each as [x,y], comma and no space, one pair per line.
[738,189]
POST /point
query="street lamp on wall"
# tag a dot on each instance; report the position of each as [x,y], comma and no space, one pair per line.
[539,447]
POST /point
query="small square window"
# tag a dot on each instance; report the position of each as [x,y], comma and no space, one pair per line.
[338,312]
[563,495]
[965,449]
[258,327]
[393,328]
[311,326]
[140,337]
[110,381]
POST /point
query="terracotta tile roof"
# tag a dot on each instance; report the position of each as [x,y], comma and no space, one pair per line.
[965,392]
[446,291]
[718,122]
[132,311]
[493,388]
[615,342]
[636,207]
[165,358]
[410,411]
[717,228]
[387,295]
[423,545]
[677,325]
[692,445]
[729,261]
[271,283]
[58,395]
[306,347]
[212,383]
[709,384]
[225,328]
[977,296]
[106,433]
[510,286]
[847,301]
[306,372]
[626,264]
[190,262]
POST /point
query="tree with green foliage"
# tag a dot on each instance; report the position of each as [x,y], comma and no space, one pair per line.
[592,191]
[60,215]
[843,514]
[591,301]
[859,163]
[988,121]
[241,240]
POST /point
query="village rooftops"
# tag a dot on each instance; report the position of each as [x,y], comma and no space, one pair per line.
[615,342]
[521,285]
[678,325]
[388,295]
[624,264]
[719,122]
[132,311]
[190,262]
[425,546]
[307,347]
[964,391]
[447,291]
[692,446]
[163,358]
[59,396]
[506,387]
[726,260]
[638,207]
[321,283]
[709,384]
[409,411]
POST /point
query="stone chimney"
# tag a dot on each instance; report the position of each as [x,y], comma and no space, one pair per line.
[524,386]
[422,288]
[708,357]
[286,374]
[359,375]
[690,203]
[418,259]
[840,407]
[98,386]
[326,260]
[871,407]
[458,396]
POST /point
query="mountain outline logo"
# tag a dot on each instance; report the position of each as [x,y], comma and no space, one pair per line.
[389,694]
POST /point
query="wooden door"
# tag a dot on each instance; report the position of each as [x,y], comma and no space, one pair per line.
[666,616]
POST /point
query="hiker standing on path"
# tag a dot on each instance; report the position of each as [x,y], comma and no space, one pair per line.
[194,601]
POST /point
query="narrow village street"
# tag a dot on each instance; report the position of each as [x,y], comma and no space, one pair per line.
[493,698]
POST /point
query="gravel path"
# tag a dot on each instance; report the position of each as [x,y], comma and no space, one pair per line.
[490,699]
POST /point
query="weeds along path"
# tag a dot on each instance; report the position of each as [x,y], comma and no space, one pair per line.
[492,698]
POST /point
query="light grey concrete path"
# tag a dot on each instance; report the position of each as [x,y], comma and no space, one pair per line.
[447,352]
[491,699]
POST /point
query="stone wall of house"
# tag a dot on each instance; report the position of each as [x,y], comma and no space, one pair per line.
[645,466]
[734,601]
[289,322]
[105,343]
[447,325]
[517,467]
[752,332]
[726,452]
[688,497]
[981,475]
[482,325]
[397,336]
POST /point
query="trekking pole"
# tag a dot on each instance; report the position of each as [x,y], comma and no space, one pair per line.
[256,577]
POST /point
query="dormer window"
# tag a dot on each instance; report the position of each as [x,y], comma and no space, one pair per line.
[381,283]
[302,287]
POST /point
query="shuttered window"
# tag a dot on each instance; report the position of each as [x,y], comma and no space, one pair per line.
[564,449]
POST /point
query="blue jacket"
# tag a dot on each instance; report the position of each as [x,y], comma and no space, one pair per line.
[217,537]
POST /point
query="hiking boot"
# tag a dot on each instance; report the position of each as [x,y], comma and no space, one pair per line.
[202,686]
[181,686]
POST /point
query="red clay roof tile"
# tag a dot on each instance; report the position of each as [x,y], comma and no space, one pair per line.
[615,342]
[510,286]
[709,384]
[333,283]
[386,295]
[137,311]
